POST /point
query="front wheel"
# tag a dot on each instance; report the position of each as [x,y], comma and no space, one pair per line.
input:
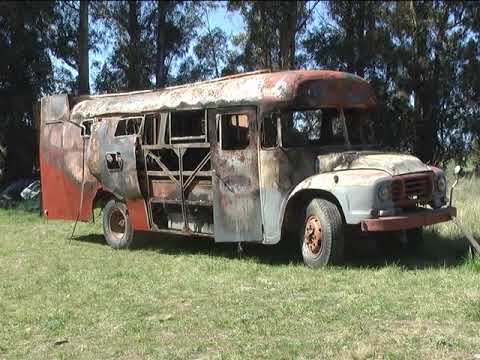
[322,238]
[117,226]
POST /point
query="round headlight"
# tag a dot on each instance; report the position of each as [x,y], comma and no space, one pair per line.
[441,184]
[385,192]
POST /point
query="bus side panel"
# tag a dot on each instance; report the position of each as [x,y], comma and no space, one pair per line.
[54,198]
[60,190]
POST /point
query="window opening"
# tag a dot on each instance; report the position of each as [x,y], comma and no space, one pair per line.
[188,126]
[129,126]
[269,131]
[86,127]
[234,129]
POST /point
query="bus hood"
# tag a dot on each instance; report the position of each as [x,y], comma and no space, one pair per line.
[392,163]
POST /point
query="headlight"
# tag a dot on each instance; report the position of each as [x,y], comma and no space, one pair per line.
[385,191]
[441,184]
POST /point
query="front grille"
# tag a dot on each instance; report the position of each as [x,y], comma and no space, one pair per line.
[410,190]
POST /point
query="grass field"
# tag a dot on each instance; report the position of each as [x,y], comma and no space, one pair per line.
[179,298]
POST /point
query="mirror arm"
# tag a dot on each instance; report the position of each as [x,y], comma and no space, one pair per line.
[458,170]
[451,191]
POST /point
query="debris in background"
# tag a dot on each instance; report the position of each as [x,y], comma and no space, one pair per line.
[23,194]
[31,191]
[12,191]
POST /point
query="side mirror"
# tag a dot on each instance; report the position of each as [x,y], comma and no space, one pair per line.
[458,170]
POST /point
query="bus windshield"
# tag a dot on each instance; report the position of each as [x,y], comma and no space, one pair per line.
[327,126]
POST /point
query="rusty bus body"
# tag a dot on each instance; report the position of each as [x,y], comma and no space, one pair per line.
[212,159]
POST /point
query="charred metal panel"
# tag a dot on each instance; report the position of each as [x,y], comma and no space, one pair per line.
[392,163]
[137,211]
[61,151]
[335,92]
[113,160]
[236,195]
[281,170]
[167,190]
[179,189]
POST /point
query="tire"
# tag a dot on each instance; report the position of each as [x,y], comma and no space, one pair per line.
[322,237]
[117,226]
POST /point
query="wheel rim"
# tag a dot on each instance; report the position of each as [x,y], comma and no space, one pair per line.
[313,235]
[117,224]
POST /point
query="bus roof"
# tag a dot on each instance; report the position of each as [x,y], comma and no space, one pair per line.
[243,89]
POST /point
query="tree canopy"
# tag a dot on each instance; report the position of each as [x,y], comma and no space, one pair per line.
[421,57]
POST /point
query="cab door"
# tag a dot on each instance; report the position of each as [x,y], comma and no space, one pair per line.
[236,195]
[113,158]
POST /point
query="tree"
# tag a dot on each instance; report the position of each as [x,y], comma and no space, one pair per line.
[417,57]
[149,37]
[431,42]
[74,39]
[83,58]
[273,32]
[25,74]
[129,66]
[176,23]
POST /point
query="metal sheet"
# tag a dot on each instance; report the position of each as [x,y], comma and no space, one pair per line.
[236,195]
[123,181]
[61,151]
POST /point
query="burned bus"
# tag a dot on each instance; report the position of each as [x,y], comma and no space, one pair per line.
[255,157]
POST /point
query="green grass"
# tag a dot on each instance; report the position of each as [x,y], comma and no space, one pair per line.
[180,298]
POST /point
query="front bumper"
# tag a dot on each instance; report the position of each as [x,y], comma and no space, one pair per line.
[409,220]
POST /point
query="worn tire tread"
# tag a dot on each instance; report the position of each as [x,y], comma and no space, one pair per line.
[332,226]
[127,239]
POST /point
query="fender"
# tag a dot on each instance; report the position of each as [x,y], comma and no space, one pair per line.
[137,208]
[343,188]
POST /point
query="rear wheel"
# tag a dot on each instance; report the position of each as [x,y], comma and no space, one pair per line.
[117,227]
[322,238]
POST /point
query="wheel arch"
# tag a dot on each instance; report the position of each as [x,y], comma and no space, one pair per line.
[102,197]
[297,203]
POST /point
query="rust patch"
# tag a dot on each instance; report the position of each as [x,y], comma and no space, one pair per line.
[313,235]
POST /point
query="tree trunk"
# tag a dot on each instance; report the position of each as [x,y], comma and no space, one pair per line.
[423,97]
[266,51]
[19,161]
[362,50]
[83,62]
[134,70]
[160,46]
[349,32]
[287,32]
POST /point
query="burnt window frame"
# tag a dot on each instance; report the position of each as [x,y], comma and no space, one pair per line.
[156,130]
[278,129]
[83,130]
[172,140]
[126,119]
[220,132]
